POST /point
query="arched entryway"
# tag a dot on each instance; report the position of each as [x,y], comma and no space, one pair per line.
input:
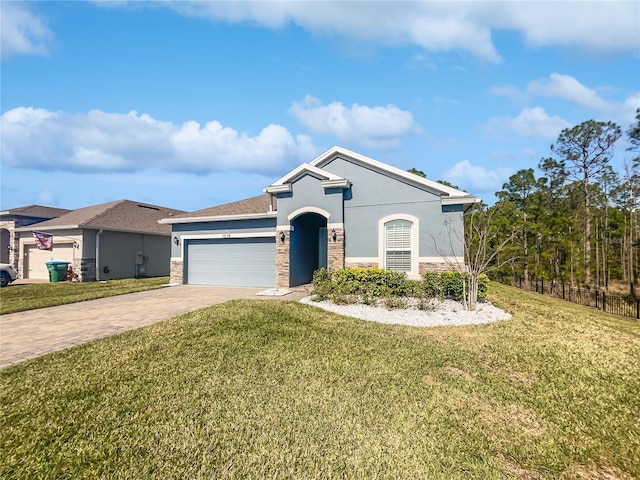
[5,238]
[308,247]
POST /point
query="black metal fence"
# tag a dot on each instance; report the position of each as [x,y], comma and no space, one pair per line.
[625,306]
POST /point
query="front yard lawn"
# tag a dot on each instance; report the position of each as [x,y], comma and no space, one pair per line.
[17,298]
[270,389]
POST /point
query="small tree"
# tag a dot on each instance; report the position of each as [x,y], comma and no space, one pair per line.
[482,240]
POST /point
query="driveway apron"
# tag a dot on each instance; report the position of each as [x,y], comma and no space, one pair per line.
[25,335]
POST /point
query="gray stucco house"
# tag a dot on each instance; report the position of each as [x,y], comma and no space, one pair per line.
[20,217]
[120,239]
[342,209]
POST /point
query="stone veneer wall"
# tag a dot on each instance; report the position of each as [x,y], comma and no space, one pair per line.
[361,265]
[176,272]
[423,267]
[335,249]
[282,260]
[14,253]
[85,268]
[434,267]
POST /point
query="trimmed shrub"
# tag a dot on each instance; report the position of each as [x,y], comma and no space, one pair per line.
[321,284]
[351,285]
[449,285]
[370,282]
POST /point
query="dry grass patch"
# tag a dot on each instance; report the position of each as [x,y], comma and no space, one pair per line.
[262,389]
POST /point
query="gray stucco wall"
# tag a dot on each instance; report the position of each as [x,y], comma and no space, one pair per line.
[118,254]
[374,196]
[156,250]
[309,192]
[89,243]
[213,228]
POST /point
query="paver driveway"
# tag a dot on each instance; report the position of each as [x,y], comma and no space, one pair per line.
[33,333]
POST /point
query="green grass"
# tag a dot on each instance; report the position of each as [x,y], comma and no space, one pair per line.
[17,298]
[269,389]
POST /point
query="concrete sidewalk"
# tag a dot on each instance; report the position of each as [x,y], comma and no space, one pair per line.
[25,335]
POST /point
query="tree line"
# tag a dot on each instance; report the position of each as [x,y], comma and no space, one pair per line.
[576,223]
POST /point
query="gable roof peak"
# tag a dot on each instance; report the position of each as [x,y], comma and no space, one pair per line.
[328,179]
[425,183]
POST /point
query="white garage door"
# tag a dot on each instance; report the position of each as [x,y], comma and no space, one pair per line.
[231,262]
[34,261]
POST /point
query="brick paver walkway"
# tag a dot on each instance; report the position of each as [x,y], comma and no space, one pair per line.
[25,335]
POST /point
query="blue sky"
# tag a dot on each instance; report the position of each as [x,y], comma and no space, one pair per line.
[191,104]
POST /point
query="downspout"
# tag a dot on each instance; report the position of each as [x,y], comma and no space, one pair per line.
[98,255]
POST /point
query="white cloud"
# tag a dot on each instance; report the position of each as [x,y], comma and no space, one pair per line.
[46,197]
[21,31]
[100,141]
[598,27]
[443,26]
[568,88]
[475,178]
[509,91]
[531,122]
[376,127]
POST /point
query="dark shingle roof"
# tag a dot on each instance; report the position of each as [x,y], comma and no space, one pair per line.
[36,211]
[259,204]
[119,215]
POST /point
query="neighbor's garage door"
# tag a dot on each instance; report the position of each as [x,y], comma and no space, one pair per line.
[232,262]
[34,261]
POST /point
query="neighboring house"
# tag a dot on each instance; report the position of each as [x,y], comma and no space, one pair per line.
[120,239]
[340,210]
[20,217]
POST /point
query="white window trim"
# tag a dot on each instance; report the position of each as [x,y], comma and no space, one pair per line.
[415,238]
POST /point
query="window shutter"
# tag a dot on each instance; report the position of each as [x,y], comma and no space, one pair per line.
[398,245]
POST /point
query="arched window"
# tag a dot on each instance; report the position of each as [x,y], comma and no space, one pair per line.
[398,248]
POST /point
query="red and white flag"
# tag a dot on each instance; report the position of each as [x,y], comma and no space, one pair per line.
[44,241]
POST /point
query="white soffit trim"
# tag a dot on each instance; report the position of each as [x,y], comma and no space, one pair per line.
[216,236]
[468,199]
[32,228]
[341,183]
[278,188]
[218,218]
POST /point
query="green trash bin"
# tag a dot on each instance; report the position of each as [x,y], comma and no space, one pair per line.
[57,270]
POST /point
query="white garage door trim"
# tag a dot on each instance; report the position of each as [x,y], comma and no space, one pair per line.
[234,261]
[34,259]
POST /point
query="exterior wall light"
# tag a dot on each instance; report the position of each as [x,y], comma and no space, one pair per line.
[176,240]
[334,235]
[282,236]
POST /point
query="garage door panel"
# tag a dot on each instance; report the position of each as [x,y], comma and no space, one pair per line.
[35,259]
[234,262]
